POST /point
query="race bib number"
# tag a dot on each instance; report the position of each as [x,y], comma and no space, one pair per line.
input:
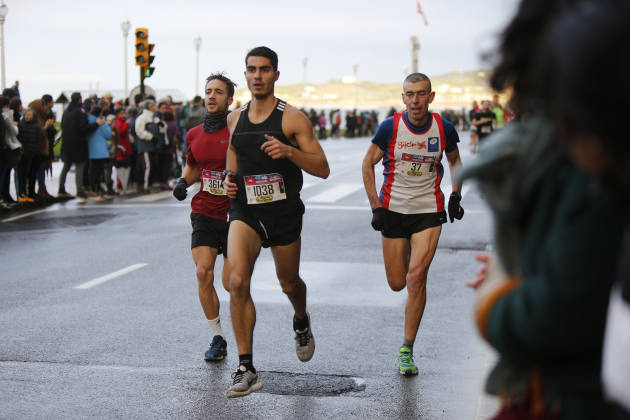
[212,182]
[264,188]
[486,129]
[416,165]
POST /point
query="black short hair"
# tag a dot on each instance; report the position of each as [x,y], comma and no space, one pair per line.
[264,52]
[46,98]
[196,99]
[4,101]
[75,97]
[222,77]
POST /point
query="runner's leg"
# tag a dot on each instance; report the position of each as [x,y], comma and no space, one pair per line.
[243,248]
[287,260]
[423,246]
[396,257]
[204,258]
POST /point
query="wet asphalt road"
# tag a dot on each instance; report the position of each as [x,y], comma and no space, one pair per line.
[132,345]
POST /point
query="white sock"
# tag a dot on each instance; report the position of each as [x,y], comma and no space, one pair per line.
[215,325]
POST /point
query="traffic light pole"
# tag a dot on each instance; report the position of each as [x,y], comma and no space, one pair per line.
[142,82]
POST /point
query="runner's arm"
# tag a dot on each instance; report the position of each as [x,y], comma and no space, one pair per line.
[372,157]
[310,155]
[454,162]
[190,174]
[230,159]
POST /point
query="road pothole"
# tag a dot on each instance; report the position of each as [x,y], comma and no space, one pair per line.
[309,384]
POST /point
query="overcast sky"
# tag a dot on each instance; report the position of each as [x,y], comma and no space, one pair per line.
[52,46]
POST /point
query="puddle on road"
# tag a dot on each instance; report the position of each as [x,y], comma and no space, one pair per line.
[309,384]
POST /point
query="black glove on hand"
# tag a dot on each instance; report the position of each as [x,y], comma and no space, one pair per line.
[378,218]
[179,191]
[455,210]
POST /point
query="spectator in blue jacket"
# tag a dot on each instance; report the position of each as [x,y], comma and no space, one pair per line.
[98,150]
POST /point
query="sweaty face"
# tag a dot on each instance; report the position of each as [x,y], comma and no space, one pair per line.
[216,99]
[260,76]
[417,96]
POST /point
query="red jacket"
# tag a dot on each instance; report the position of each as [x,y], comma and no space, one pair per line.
[124,145]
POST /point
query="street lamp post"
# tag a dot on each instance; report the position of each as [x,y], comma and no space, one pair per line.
[125,26]
[197,43]
[304,92]
[355,68]
[3,13]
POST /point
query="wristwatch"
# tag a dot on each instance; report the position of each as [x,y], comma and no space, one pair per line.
[226,172]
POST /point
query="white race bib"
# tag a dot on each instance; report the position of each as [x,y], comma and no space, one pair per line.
[212,182]
[486,129]
[416,165]
[264,188]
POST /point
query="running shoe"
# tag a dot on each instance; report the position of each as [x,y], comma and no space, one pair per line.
[305,342]
[25,199]
[217,350]
[244,382]
[405,362]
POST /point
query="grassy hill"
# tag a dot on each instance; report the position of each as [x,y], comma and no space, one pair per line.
[453,91]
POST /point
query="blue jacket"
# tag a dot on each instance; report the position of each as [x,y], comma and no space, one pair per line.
[97,140]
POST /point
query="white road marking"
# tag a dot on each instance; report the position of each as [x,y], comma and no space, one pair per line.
[110,276]
[151,197]
[21,216]
[336,193]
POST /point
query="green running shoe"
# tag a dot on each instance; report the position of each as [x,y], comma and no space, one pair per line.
[405,362]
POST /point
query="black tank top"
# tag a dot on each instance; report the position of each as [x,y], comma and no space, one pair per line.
[251,160]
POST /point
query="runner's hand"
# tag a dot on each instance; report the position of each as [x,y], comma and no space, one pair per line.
[378,218]
[230,186]
[274,148]
[179,191]
[455,210]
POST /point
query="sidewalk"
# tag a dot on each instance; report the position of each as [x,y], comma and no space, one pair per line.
[52,186]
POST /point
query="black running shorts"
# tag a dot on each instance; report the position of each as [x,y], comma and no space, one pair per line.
[208,231]
[274,230]
[398,225]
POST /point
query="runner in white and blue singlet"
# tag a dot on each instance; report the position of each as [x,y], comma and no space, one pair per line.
[409,211]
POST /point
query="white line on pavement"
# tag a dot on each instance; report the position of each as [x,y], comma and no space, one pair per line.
[336,193]
[110,276]
[151,197]
[21,216]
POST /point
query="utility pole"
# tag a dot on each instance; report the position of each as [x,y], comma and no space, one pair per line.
[415,49]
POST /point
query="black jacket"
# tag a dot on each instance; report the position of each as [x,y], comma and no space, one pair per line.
[31,136]
[75,129]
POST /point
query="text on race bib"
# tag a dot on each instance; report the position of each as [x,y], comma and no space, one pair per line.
[416,165]
[212,182]
[264,188]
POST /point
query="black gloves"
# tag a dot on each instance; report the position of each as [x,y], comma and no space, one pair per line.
[455,210]
[179,191]
[378,218]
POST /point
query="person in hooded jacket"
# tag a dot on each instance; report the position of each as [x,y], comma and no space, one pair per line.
[74,148]
[98,151]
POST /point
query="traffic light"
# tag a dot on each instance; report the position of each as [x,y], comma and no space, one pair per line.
[142,47]
[148,70]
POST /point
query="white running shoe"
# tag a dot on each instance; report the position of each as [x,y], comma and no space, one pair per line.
[244,383]
[305,342]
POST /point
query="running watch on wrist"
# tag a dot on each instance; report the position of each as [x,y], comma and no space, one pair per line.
[226,172]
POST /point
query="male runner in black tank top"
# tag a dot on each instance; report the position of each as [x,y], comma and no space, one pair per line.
[270,144]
